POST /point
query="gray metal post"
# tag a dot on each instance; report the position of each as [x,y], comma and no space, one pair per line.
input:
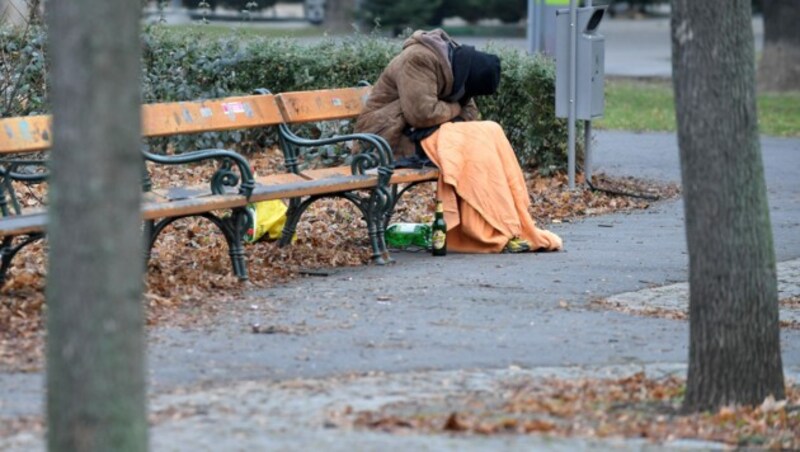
[587,149]
[573,58]
[537,17]
[531,30]
[587,141]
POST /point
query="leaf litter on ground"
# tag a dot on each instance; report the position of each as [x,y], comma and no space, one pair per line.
[189,277]
[631,407]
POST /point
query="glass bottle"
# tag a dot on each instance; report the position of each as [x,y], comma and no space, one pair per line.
[439,232]
[404,235]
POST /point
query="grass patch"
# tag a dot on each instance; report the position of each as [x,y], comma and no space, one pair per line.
[779,114]
[638,105]
[648,105]
[487,31]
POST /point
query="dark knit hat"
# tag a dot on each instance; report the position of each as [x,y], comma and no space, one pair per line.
[475,73]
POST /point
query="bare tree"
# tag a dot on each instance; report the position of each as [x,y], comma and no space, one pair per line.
[734,349]
[95,342]
[779,68]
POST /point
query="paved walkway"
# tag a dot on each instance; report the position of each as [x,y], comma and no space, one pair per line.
[529,312]
[634,48]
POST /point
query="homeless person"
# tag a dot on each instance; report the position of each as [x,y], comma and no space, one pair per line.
[423,105]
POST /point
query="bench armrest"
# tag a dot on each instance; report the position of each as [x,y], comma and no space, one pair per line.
[224,176]
[375,153]
[10,169]
[9,172]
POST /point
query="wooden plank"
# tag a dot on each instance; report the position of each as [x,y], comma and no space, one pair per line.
[25,134]
[32,133]
[279,179]
[314,187]
[323,105]
[325,173]
[408,175]
[192,206]
[165,203]
[210,115]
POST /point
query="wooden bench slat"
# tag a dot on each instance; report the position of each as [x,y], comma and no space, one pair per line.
[210,115]
[159,204]
[323,105]
[325,173]
[314,187]
[191,206]
[25,134]
[278,179]
[409,175]
[33,133]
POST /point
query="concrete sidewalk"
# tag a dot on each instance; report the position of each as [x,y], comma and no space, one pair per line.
[483,312]
[633,47]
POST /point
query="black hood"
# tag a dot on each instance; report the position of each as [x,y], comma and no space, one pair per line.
[475,73]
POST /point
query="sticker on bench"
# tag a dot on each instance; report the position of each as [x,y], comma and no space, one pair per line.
[231,108]
[25,130]
[187,116]
[336,102]
[248,111]
[206,112]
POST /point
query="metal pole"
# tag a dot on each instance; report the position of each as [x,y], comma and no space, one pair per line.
[538,9]
[531,38]
[573,58]
[587,149]
[587,141]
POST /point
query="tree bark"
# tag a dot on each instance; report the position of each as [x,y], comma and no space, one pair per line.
[779,67]
[734,348]
[95,342]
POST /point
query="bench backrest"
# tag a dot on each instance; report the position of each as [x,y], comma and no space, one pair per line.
[32,133]
[323,105]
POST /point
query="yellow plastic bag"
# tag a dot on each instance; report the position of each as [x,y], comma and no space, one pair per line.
[268,220]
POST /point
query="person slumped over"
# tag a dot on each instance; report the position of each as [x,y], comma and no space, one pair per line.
[423,105]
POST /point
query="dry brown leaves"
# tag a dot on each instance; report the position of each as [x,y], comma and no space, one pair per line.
[553,202]
[632,407]
[190,269]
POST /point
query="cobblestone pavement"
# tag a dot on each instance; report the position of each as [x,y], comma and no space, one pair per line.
[674,298]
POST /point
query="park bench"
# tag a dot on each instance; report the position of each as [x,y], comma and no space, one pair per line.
[301,153]
[25,140]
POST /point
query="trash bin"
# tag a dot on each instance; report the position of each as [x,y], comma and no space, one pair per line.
[590,63]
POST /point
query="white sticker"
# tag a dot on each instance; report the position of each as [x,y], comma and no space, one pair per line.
[233,108]
[206,112]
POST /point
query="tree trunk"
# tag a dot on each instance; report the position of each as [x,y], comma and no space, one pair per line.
[779,69]
[734,348]
[95,341]
[340,15]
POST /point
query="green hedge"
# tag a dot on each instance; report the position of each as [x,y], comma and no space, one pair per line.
[186,67]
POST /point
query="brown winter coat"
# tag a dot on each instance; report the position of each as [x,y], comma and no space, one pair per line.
[410,90]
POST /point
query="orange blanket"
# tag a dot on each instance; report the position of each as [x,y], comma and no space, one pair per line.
[483,189]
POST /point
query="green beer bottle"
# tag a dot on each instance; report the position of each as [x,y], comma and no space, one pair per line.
[404,235]
[439,232]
